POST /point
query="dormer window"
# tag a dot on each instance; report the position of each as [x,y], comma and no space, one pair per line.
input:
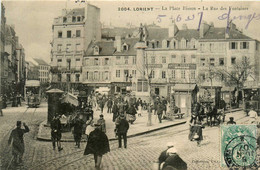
[78,19]
[96,50]
[64,19]
[153,45]
[125,47]
[147,43]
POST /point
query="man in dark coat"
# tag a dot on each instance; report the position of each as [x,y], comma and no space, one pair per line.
[174,160]
[122,127]
[77,131]
[109,105]
[18,142]
[56,132]
[98,145]
[115,111]
[160,111]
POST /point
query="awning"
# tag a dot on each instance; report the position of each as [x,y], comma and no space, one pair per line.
[32,83]
[70,98]
[102,90]
[55,91]
[184,87]
[227,89]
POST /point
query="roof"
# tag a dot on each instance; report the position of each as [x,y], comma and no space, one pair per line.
[117,31]
[219,33]
[76,12]
[105,48]
[131,47]
[184,87]
[40,61]
[187,34]
[54,91]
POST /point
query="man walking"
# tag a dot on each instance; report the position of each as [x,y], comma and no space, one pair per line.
[77,132]
[56,132]
[109,105]
[18,142]
[160,111]
[122,127]
[98,145]
[101,121]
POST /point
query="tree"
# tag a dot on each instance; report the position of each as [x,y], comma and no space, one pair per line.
[237,75]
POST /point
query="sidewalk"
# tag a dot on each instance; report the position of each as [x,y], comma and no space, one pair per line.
[138,128]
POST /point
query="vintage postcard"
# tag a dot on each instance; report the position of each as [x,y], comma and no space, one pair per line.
[129,85]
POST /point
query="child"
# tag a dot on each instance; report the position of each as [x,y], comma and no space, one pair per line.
[139,111]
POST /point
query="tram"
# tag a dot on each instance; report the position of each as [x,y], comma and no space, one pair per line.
[33,93]
[252,98]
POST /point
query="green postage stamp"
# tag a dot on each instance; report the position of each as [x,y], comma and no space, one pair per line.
[238,146]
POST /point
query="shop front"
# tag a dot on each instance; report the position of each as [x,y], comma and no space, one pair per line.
[121,87]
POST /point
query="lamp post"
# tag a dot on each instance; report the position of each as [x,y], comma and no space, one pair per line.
[149,122]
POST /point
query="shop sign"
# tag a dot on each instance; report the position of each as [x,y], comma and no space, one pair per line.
[182,66]
[155,65]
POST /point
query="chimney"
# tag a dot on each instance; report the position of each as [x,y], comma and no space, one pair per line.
[204,27]
[118,44]
[173,29]
[184,27]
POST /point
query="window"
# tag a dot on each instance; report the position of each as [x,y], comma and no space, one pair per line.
[59,47]
[152,74]
[68,48]
[77,77]
[106,61]
[126,59]
[117,73]
[233,45]
[134,73]
[183,43]
[125,47]
[134,59]
[233,60]
[173,58]
[77,47]
[59,77]
[96,50]
[183,74]
[211,47]
[68,77]
[163,59]
[244,45]
[173,74]
[192,74]
[68,64]
[221,62]
[64,19]
[59,60]
[77,59]
[87,63]
[106,75]
[118,58]
[60,34]
[153,59]
[183,59]
[73,19]
[77,33]
[145,86]
[212,61]
[96,61]
[96,75]
[78,19]
[87,75]
[139,86]
[153,45]
[163,74]
[202,62]
[68,34]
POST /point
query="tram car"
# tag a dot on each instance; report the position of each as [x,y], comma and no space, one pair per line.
[33,93]
[252,99]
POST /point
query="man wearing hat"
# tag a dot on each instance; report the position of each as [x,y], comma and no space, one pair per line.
[18,142]
[174,161]
[163,156]
[97,144]
[231,121]
[122,127]
[56,132]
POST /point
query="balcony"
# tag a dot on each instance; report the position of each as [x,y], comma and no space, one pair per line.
[57,69]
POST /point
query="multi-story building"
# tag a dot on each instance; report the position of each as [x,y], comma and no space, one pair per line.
[4,59]
[33,72]
[73,31]
[44,69]
[10,48]
[110,64]
[21,70]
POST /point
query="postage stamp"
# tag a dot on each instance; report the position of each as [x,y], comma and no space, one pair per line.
[238,146]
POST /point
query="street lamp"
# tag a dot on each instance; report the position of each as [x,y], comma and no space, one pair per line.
[149,122]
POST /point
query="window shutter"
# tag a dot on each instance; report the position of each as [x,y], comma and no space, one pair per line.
[230,45]
[247,45]
[241,45]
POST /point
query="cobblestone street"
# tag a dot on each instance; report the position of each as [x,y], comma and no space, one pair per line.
[141,153]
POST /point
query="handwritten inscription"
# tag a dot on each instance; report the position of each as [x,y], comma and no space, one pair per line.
[226,16]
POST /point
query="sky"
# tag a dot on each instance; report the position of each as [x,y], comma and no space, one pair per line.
[33,19]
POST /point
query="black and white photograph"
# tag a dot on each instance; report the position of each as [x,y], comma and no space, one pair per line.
[129,85]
